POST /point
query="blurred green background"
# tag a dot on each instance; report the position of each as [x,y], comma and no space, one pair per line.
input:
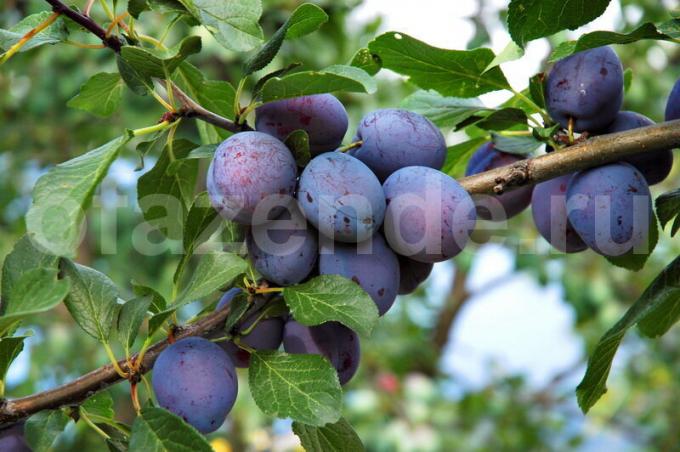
[485,356]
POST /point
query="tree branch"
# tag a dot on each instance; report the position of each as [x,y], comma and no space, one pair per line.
[112,41]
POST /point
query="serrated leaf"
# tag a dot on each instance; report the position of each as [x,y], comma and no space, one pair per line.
[458,155]
[10,347]
[130,319]
[634,260]
[234,23]
[164,194]
[306,19]
[61,196]
[458,73]
[257,89]
[298,143]
[214,271]
[202,221]
[338,437]
[56,32]
[533,19]
[158,430]
[42,429]
[23,257]
[304,388]
[658,303]
[667,208]
[158,306]
[99,405]
[443,111]
[100,95]
[332,297]
[331,79]
[519,145]
[92,301]
[367,61]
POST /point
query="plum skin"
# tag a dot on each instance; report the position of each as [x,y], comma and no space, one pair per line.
[586,86]
[513,202]
[655,166]
[393,139]
[339,344]
[284,255]
[251,170]
[12,439]
[610,195]
[412,274]
[195,379]
[429,215]
[549,210]
[322,116]
[371,264]
[341,197]
[673,103]
[266,335]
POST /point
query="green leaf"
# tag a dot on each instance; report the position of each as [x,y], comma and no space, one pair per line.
[158,430]
[331,79]
[100,95]
[503,119]
[306,19]
[458,73]
[42,429]
[234,23]
[257,89]
[658,303]
[23,257]
[298,143]
[92,301]
[533,19]
[61,196]
[537,89]
[302,387]
[511,52]
[636,260]
[99,405]
[237,309]
[667,208]
[158,306]
[130,319]
[136,7]
[36,291]
[627,79]
[458,155]
[10,347]
[332,297]
[202,221]
[604,38]
[443,111]
[206,151]
[516,144]
[338,437]
[164,194]
[367,61]
[56,32]
[213,272]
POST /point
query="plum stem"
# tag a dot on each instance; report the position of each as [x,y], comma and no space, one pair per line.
[350,146]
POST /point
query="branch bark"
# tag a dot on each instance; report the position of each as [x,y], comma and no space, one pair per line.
[112,41]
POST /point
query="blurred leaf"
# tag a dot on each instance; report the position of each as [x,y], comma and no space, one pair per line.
[503,119]
[338,437]
[23,257]
[533,19]
[100,405]
[457,73]
[158,430]
[331,79]
[304,388]
[234,23]
[298,143]
[42,429]
[537,89]
[213,272]
[100,95]
[130,319]
[634,260]
[306,19]
[443,111]
[659,302]
[367,61]
[519,145]
[56,32]
[10,347]
[136,7]
[206,151]
[61,197]
[458,155]
[511,52]
[237,308]
[667,208]
[332,297]
[201,222]
[92,301]
[627,79]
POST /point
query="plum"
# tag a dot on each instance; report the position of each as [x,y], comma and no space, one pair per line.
[412,274]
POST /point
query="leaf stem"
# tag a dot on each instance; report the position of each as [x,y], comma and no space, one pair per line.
[350,146]
[107,10]
[114,361]
[269,290]
[84,46]
[115,22]
[151,129]
[88,421]
[28,36]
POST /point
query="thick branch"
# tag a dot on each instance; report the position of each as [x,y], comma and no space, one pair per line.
[90,25]
[593,152]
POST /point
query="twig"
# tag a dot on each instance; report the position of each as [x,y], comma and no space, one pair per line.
[191,109]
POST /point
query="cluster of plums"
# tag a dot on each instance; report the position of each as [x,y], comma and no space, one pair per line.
[379,212]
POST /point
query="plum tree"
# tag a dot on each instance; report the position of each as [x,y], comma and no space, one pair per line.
[341,197]
[412,274]
[195,379]
[371,264]
[609,207]
[12,439]
[266,335]
[429,216]
[251,170]
[673,103]
[504,206]
[587,88]
[549,209]
[655,166]
[322,116]
[392,139]
[336,342]
[284,251]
